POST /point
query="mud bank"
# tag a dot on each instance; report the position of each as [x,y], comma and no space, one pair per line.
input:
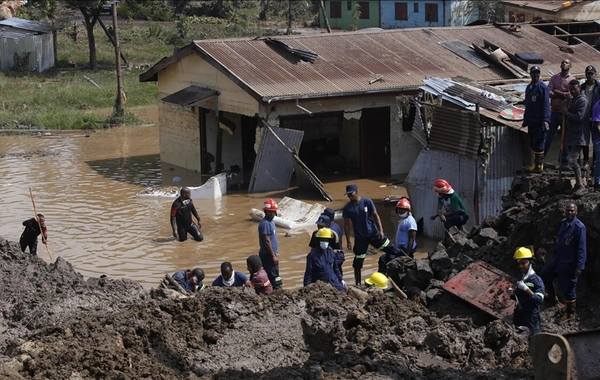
[56,325]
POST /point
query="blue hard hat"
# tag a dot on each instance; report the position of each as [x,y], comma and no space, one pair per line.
[535,68]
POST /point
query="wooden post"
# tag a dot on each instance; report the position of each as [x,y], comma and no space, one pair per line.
[322,5]
[219,154]
[119,100]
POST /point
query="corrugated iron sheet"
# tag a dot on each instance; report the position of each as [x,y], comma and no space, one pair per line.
[29,25]
[38,46]
[455,131]
[347,62]
[419,131]
[543,5]
[189,96]
[274,164]
[465,51]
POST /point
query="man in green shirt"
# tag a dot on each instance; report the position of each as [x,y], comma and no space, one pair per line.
[450,208]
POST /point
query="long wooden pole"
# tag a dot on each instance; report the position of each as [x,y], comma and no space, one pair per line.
[39,224]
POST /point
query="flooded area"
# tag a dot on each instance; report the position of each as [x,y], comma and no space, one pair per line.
[86,189]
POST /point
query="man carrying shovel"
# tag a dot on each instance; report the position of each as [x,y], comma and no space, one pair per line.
[33,227]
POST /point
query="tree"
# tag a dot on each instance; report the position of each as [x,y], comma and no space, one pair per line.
[90,10]
[489,10]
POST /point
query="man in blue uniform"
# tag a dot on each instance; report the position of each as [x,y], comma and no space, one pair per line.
[361,212]
[537,117]
[335,243]
[568,261]
[269,245]
[320,262]
[229,277]
[529,294]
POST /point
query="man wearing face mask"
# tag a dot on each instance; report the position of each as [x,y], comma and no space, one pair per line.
[320,262]
[406,234]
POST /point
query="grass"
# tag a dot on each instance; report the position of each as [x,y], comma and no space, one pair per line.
[61,98]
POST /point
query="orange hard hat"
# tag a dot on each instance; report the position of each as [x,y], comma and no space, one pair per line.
[441,186]
[404,203]
[270,205]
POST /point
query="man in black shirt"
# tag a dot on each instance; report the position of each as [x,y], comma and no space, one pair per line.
[31,232]
[181,217]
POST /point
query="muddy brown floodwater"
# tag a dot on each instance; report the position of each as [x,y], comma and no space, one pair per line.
[86,189]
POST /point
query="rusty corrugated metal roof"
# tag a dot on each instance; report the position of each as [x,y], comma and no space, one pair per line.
[32,26]
[455,131]
[348,62]
[544,5]
[189,96]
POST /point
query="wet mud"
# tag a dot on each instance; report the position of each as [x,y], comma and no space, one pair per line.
[57,325]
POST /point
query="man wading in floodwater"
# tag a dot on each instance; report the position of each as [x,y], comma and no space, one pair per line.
[181,217]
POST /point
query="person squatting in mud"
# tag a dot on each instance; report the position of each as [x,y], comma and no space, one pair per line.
[577,119]
[537,117]
[455,213]
[528,295]
[268,243]
[190,280]
[335,242]
[259,280]
[320,262]
[31,232]
[406,234]
[361,212]
[181,217]
[568,261]
[230,278]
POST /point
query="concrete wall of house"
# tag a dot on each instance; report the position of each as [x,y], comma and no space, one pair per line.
[179,136]
[193,70]
[416,16]
[404,148]
[346,21]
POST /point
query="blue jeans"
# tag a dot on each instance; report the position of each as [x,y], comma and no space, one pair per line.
[555,121]
[597,162]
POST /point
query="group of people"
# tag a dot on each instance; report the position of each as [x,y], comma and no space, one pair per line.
[572,106]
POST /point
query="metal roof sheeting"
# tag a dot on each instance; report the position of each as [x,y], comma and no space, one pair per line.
[347,62]
[32,26]
[455,131]
[542,5]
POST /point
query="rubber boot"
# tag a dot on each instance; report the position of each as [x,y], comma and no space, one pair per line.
[569,312]
[579,186]
[538,166]
[357,276]
[532,167]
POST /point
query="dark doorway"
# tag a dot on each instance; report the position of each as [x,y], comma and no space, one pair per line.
[248,128]
[375,142]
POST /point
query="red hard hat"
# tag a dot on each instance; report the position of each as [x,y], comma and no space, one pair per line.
[441,186]
[270,205]
[404,203]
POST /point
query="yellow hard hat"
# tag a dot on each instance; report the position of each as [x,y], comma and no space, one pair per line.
[523,253]
[378,279]
[324,233]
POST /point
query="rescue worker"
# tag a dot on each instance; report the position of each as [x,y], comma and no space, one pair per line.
[181,217]
[529,293]
[406,234]
[367,229]
[591,89]
[568,261]
[454,211]
[559,92]
[338,249]
[320,263]
[229,277]
[537,117]
[259,280]
[31,232]
[269,246]
[190,280]
[335,243]
[379,280]
[577,119]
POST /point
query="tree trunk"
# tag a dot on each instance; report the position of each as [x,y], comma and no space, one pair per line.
[91,45]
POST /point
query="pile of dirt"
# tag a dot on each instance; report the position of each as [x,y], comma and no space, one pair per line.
[56,325]
[530,216]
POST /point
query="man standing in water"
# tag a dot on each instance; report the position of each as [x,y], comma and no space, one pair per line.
[361,212]
[269,246]
[31,232]
[181,217]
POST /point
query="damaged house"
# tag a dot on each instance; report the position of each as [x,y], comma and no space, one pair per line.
[329,97]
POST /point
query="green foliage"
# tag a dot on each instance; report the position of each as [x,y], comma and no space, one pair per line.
[146,10]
